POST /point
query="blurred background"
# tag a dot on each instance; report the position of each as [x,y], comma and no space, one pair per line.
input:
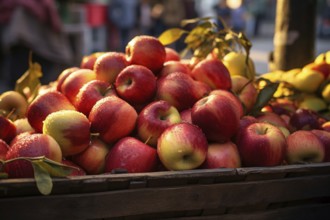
[61,32]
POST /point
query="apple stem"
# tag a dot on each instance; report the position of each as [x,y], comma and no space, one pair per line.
[266,129]
[95,134]
[11,113]
[148,139]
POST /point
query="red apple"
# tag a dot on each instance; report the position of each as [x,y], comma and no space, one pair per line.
[63,75]
[92,159]
[272,118]
[245,90]
[19,136]
[45,104]
[90,93]
[245,121]
[13,105]
[147,51]
[4,147]
[180,90]
[88,61]
[186,115]
[115,122]
[212,72]
[72,84]
[154,119]
[109,65]
[222,155]
[171,54]
[174,66]
[33,145]
[71,130]
[324,137]
[217,116]
[7,129]
[304,147]
[261,144]
[136,84]
[234,99]
[182,146]
[132,155]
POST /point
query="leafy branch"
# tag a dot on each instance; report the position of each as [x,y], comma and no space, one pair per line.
[29,83]
[206,37]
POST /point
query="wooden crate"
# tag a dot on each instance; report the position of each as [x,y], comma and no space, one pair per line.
[283,192]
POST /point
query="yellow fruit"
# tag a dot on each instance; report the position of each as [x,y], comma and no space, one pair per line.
[290,75]
[283,90]
[323,57]
[312,102]
[326,93]
[274,76]
[307,80]
[236,64]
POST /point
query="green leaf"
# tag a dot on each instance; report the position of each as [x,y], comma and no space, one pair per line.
[56,169]
[28,84]
[171,35]
[264,96]
[42,177]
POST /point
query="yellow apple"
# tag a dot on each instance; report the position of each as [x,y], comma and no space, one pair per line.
[236,64]
[312,102]
[13,104]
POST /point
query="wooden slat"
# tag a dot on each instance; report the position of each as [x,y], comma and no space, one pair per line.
[99,183]
[305,212]
[156,200]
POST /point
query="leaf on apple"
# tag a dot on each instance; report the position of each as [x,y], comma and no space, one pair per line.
[264,96]
[28,84]
[44,169]
[42,177]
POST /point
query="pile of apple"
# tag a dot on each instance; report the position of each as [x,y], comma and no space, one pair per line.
[149,110]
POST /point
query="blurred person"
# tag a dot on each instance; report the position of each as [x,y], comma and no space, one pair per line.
[31,26]
[168,14]
[222,10]
[144,14]
[238,17]
[205,8]
[123,14]
[256,9]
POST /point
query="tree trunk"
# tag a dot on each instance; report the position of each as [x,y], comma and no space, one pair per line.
[295,30]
